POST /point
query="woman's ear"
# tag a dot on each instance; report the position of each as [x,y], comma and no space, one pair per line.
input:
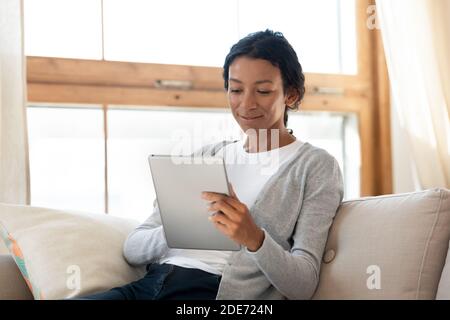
[292,97]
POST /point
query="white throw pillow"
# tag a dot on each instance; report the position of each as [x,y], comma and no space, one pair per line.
[65,254]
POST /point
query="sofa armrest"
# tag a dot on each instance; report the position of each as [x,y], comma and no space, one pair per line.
[3,248]
[443,292]
[12,285]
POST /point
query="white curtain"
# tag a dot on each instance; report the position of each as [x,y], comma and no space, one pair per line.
[14,167]
[416,37]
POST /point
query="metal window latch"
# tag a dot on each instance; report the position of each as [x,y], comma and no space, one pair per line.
[328,91]
[174,84]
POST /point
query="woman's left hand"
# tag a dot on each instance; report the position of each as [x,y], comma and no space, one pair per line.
[233,219]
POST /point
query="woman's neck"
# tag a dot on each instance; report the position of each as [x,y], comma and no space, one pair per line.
[262,140]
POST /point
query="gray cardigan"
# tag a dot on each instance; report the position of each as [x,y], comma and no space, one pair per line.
[295,208]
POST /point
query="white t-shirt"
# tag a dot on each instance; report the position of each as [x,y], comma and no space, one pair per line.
[248,173]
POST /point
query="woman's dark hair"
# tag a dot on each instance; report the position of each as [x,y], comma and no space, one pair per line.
[273,47]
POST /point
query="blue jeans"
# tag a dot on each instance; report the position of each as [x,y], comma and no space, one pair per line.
[165,282]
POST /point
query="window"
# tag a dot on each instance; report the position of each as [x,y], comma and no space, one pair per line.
[321,31]
[67,158]
[134,134]
[63,28]
[141,69]
[158,31]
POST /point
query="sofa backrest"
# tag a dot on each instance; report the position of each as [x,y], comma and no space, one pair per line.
[388,247]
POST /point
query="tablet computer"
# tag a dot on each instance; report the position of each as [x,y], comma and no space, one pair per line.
[179,182]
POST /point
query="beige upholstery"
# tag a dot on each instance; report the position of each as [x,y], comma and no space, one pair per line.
[401,240]
[12,286]
[3,249]
[406,236]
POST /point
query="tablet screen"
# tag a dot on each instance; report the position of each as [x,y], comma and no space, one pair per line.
[179,182]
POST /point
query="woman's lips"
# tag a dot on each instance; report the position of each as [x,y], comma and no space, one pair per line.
[249,118]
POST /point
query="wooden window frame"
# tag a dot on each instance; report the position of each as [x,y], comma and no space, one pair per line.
[77,81]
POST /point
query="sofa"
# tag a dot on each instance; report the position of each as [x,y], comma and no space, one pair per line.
[383,247]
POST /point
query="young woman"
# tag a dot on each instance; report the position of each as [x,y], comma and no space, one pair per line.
[280,214]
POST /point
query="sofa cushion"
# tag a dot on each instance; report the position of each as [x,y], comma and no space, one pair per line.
[3,248]
[65,254]
[387,247]
[12,285]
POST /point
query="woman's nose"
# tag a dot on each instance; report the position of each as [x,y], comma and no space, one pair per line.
[248,101]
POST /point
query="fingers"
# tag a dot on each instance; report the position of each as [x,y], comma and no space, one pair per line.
[214,197]
[221,227]
[226,209]
[230,212]
[221,222]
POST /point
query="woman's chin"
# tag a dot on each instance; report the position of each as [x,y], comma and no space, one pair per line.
[255,124]
[248,129]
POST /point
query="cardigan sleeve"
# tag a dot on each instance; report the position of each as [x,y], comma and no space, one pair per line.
[147,243]
[295,272]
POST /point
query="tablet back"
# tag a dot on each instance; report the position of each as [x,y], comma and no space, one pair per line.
[178,182]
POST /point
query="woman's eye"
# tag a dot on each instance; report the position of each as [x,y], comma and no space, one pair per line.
[235,90]
[264,92]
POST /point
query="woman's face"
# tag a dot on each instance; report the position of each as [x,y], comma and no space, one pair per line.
[255,94]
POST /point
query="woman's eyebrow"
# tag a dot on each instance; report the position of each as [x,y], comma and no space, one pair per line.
[256,82]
